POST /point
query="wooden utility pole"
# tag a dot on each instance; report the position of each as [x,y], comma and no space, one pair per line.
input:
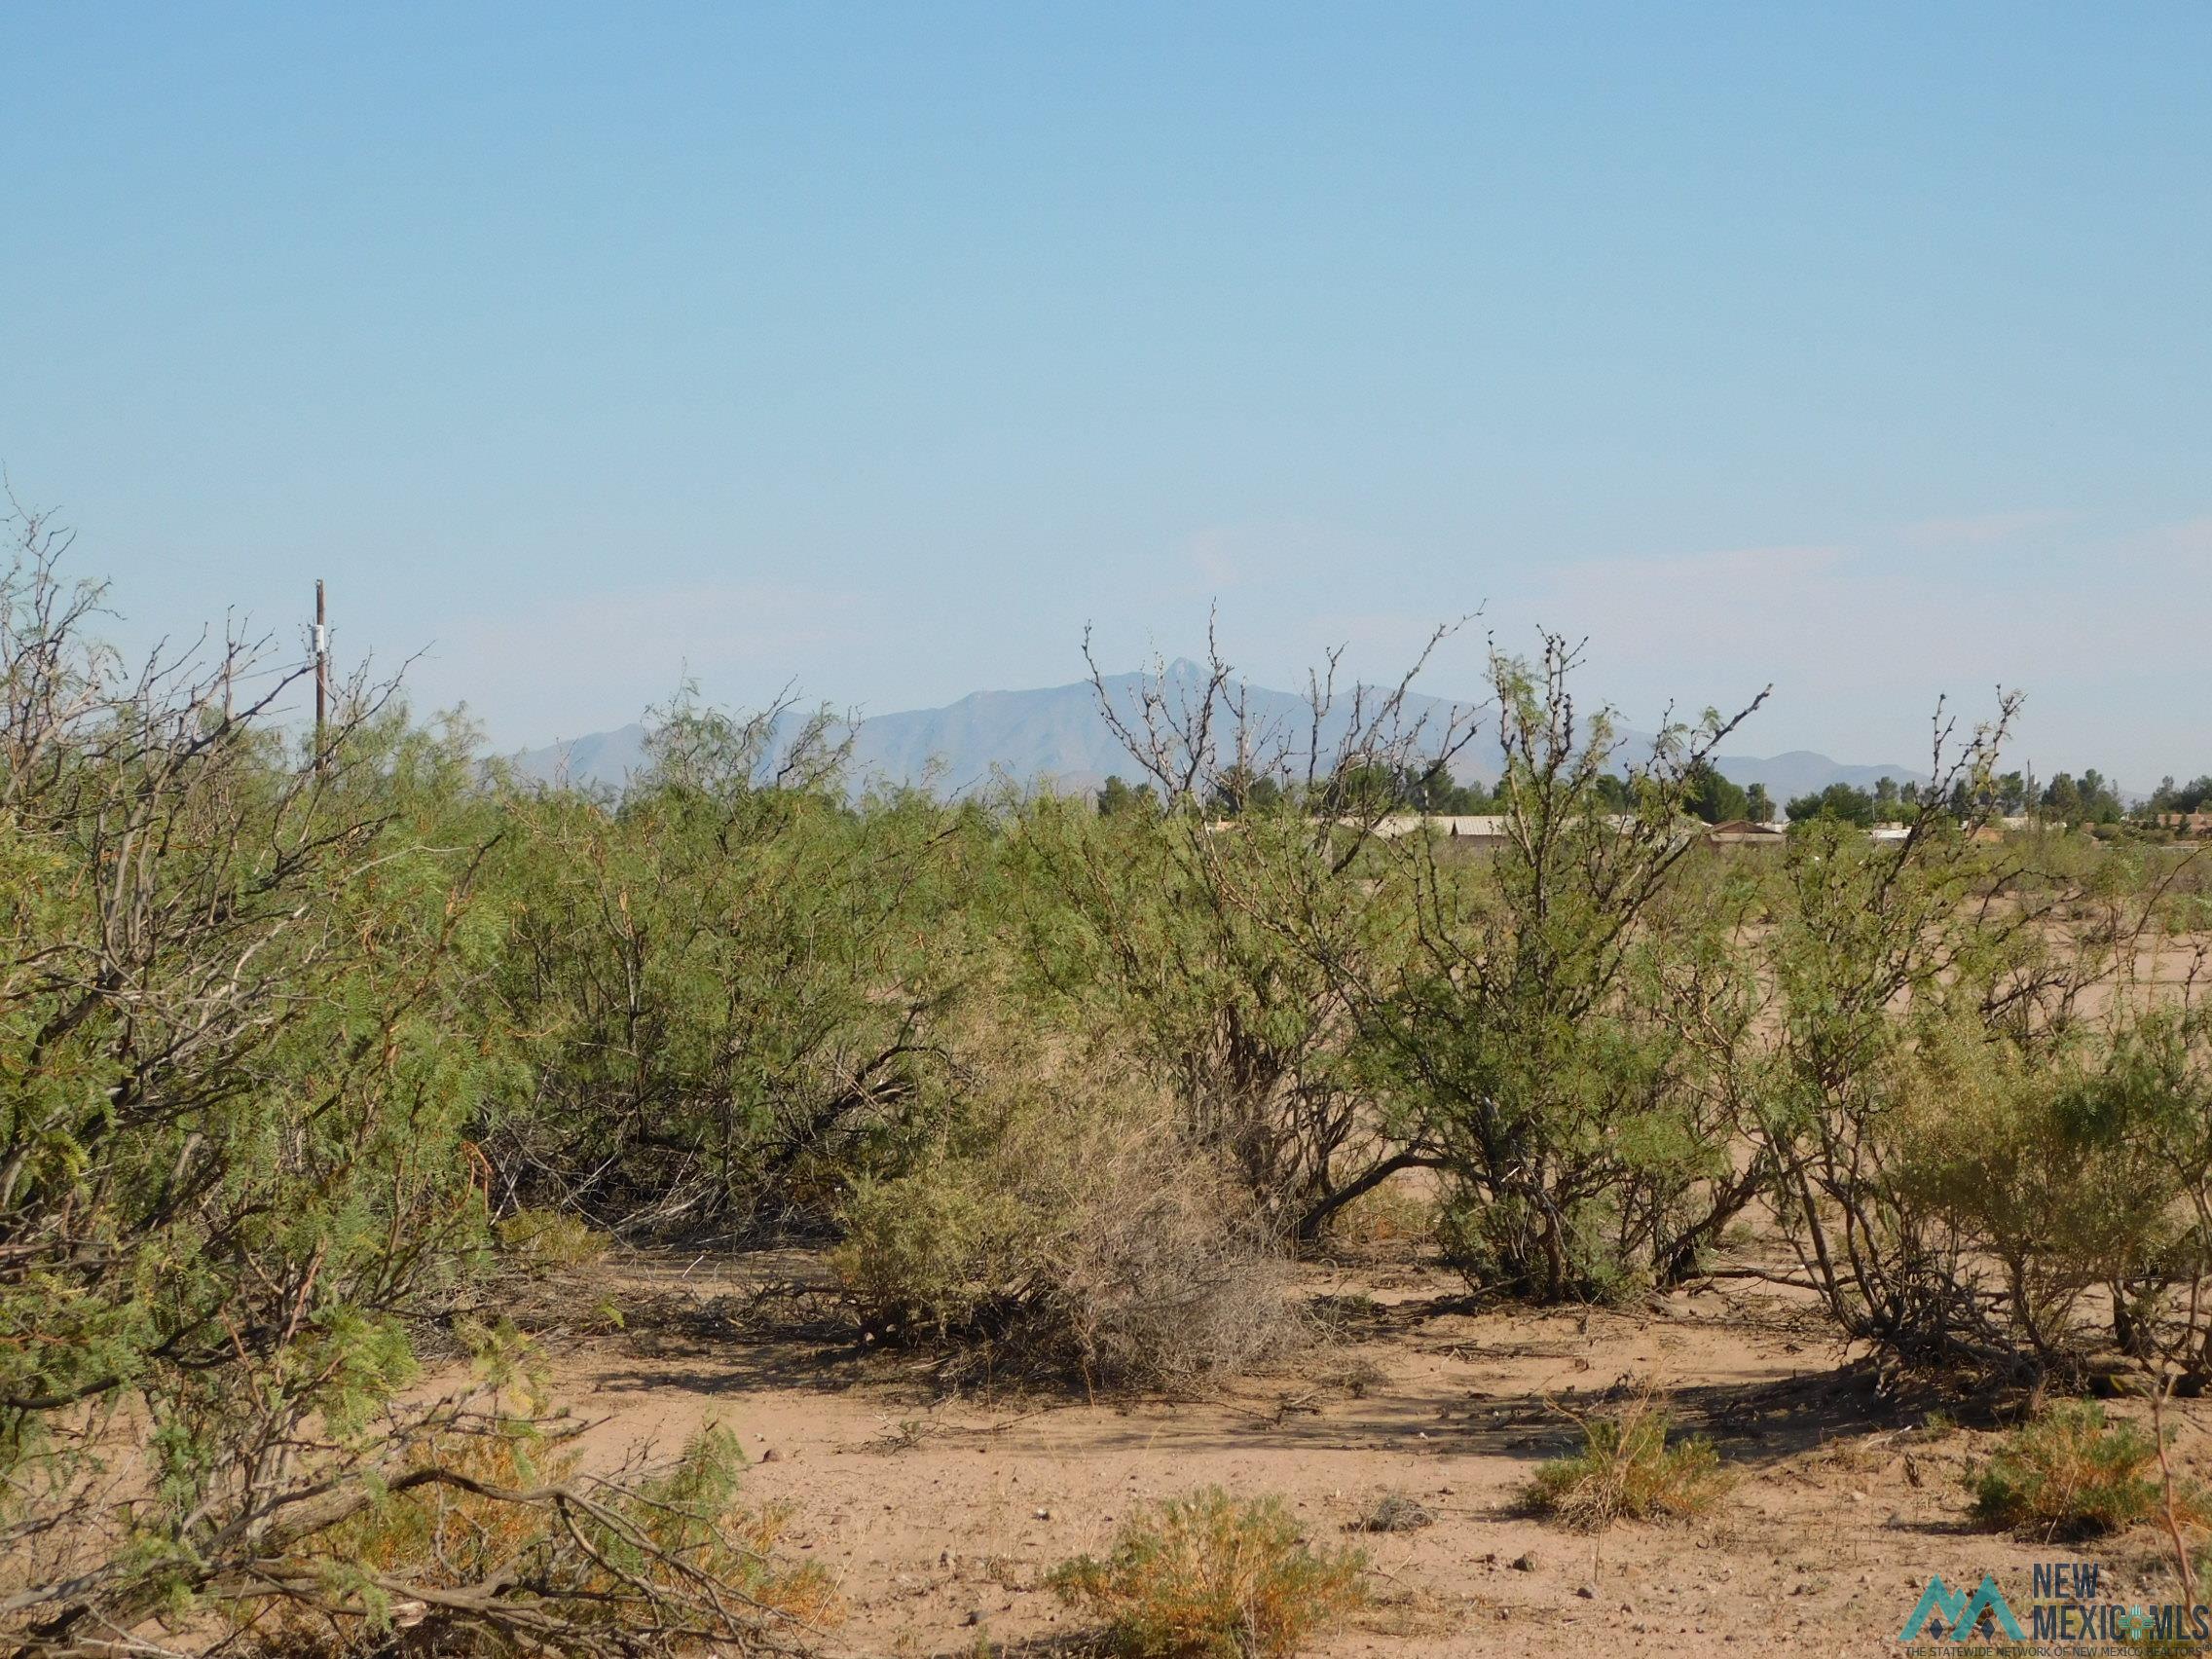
[321,673]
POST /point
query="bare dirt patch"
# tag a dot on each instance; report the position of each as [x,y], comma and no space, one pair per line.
[940,1511]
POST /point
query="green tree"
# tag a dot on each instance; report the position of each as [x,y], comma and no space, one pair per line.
[1118,797]
[1239,790]
[1712,797]
[1974,1166]
[2062,799]
[2100,801]
[1841,803]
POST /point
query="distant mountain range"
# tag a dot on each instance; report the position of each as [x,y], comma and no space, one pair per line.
[1055,737]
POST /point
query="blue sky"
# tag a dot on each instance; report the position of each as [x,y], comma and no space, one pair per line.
[1863,348]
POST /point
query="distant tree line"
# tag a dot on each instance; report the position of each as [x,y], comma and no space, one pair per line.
[1243,791]
[1432,790]
[1885,802]
[2170,796]
[2090,799]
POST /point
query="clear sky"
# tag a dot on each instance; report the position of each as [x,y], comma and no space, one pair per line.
[1864,349]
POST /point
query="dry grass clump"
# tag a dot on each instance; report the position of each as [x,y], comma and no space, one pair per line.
[545,1241]
[1394,1511]
[1627,1471]
[1161,1274]
[1077,1235]
[1391,1213]
[1208,1576]
[2072,1473]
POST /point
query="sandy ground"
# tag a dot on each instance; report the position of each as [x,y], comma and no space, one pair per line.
[938,1514]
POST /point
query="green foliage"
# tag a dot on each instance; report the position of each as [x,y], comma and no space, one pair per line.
[725,993]
[1982,1138]
[1712,798]
[233,1155]
[2194,796]
[2073,1474]
[254,1013]
[1209,1577]
[1174,936]
[1838,803]
[2087,799]
[1540,1030]
[1118,797]
[1376,786]
[932,1252]
[2067,1170]
[1626,1470]
[283,1027]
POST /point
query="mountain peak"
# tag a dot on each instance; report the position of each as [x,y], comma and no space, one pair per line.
[1055,736]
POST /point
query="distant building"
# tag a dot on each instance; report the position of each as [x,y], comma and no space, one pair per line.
[1744,832]
[2186,823]
[1476,829]
[1493,830]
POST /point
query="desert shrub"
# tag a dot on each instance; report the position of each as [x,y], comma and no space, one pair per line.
[543,1240]
[1071,1229]
[1627,1471]
[242,1012]
[936,1252]
[572,1559]
[2073,1473]
[727,986]
[575,1562]
[1546,1030]
[2053,1186]
[1984,1134]
[1228,929]
[1209,1577]
[233,1155]
[286,1019]
[1170,929]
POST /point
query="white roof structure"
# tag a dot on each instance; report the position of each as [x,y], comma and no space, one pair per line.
[1480,827]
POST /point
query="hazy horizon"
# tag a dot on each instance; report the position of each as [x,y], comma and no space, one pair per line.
[878,352]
